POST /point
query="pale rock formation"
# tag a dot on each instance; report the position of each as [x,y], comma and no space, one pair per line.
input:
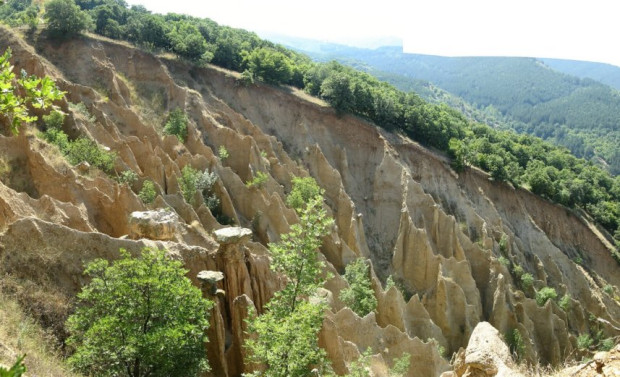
[233,235]
[161,224]
[486,355]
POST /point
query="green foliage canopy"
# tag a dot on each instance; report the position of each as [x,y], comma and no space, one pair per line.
[18,94]
[65,19]
[286,333]
[359,295]
[176,124]
[139,317]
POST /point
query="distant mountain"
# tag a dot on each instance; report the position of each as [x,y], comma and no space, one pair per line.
[606,73]
[525,94]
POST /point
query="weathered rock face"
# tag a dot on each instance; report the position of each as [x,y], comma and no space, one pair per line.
[437,233]
[160,224]
[486,355]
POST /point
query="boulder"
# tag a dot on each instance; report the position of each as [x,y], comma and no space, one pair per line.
[160,224]
[486,355]
[232,235]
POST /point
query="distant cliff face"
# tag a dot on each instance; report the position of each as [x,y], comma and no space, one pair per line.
[439,234]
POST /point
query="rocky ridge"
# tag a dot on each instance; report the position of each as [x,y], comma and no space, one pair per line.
[436,232]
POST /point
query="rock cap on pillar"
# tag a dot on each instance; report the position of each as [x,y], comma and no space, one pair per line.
[232,235]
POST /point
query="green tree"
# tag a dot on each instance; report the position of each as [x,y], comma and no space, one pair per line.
[336,89]
[304,189]
[286,334]
[18,94]
[139,317]
[359,296]
[269,65]
[65,19]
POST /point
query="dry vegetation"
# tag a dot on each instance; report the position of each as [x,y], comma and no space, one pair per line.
[20,334]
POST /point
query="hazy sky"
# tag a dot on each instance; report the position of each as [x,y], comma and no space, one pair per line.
[573,29]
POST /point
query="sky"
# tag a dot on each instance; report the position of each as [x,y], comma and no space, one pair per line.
[573,29]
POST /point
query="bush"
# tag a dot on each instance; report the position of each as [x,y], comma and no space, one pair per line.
[193,181]
[147,194]
[54,120]
[504,261]
[518,271]
[516,343]
[128,177]
[84,149]
[79,150]
[606,344]
[503,244]
[545,294]
[527,280]
[259,179]
[223,153]
[359,296]
[65,19]
[176,124]
[608,289]
[564,302]
[584,341]
[139,317]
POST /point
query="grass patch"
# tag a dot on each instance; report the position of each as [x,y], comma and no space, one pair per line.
[20,334]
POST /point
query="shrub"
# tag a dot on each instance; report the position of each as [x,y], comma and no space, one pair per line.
[564,302]
[504,261]
[258,180]
[139,317]
[503,243]
[516,343]
[80,150]
[193,181]
[58,138]
[176,124]
[527,280]
[518,271]
[584,341]
[608,289]
[84,149]
[128,177]
[606,344]
[223,153]
[401,365]
[54,120]
[359,296]
[545,294]
[147,194]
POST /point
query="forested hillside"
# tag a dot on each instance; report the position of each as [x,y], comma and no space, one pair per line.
[605,73]
[524,94]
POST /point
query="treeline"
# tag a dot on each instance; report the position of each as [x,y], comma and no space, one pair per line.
[522,93]
[523,160]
